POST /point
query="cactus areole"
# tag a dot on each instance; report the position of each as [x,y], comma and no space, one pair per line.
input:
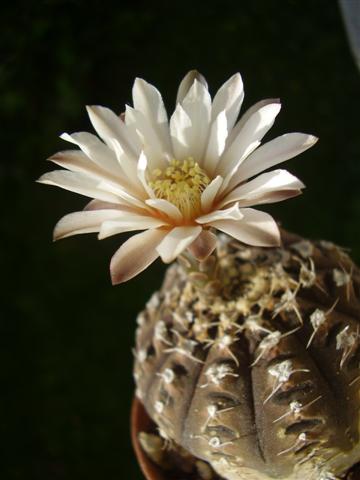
[250,362]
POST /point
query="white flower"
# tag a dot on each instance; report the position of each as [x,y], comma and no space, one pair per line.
[177,180]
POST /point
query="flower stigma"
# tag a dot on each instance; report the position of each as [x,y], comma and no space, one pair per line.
[182,184]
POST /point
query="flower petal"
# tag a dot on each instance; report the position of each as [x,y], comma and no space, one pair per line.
[216,143]
[274,152]
[147,100]
[255,228]
[82,222]
[95,149]
[127,164]
[156,151]
[203,245]
[232,213]
[232,174]
[180,131]
[245,117]
[108,126]
[186,83]
[229,98]
[264,187]
[79,182]
[135,255]
[77,161]
[252,132]
[164,206]
[128,223]
[100,205]
[141,173]
[176,241]
[209,194]
[125,195]
[197,105]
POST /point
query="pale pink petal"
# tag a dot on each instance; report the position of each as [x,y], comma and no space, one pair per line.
[135,255]
[95,149]
[153,146]
[82,222]
[229,98]
[79,182]
[209,194]
[176,241]
[245,117]
[164,206]
[100,205]
[126,196]
[272,197]
[128,164]
[180,131]
[128,223]
[197,105]
[108,126]
[274,152]
[147,100]
[77,161]
[216,144]
[141,173]
[252,132]
[229,178]
[203,245]
[263,187]
[232,213]
[255,228]
[187,82]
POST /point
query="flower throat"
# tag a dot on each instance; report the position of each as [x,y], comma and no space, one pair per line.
[181,183]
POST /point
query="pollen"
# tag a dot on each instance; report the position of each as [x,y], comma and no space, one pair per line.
[182,184]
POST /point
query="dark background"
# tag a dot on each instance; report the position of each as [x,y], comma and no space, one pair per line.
[66,333]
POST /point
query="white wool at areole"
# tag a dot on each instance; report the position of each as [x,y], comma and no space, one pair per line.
[178,180]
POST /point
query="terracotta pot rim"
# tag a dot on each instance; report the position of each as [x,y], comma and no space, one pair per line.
[140,422]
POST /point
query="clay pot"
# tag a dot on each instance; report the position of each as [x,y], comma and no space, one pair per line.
[354,473]
[140,422]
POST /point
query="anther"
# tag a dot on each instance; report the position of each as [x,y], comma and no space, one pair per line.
[181,183]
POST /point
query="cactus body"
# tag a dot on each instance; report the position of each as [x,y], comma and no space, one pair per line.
[252,363]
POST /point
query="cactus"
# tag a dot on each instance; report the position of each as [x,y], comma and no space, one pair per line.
[251,362]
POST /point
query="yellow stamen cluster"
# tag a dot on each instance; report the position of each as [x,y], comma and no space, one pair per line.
[181,183]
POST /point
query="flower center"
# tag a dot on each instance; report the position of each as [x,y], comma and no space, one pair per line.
[181,183]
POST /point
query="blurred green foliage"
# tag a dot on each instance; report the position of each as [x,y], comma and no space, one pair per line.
[66,333]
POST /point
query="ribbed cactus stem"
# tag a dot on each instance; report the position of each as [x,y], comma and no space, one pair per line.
[250,362]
